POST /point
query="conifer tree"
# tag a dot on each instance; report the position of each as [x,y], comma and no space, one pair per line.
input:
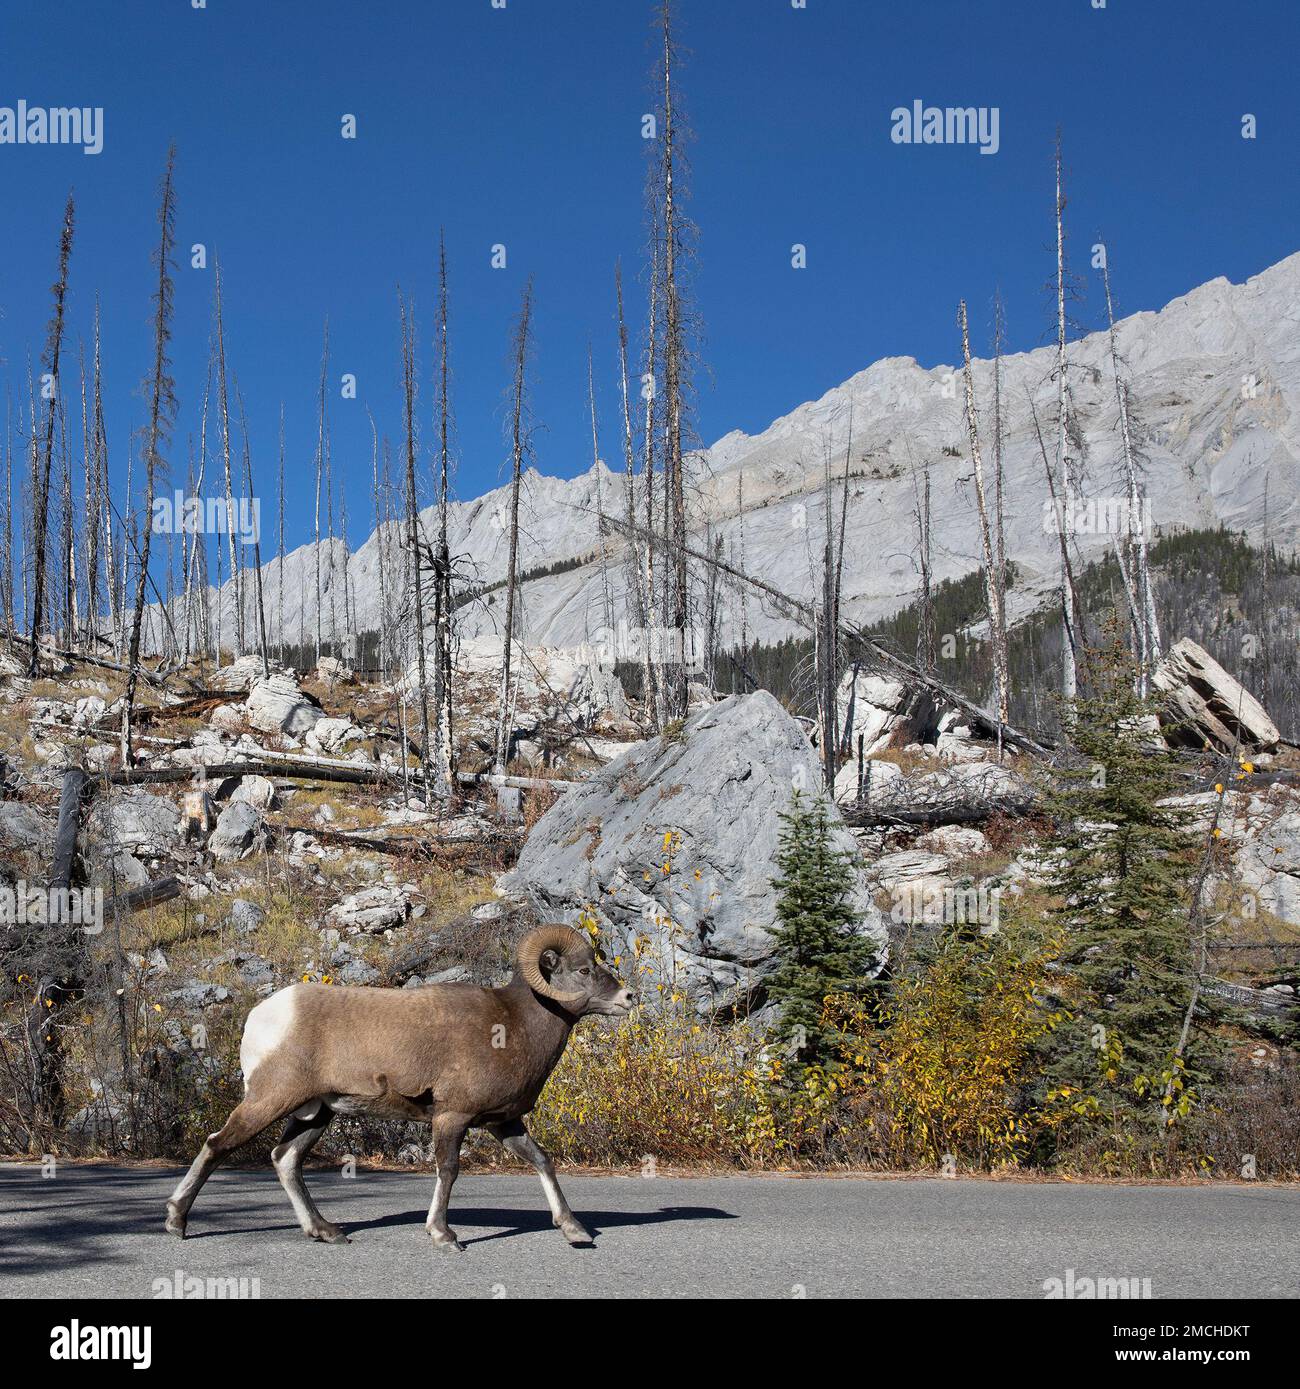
[1123,865]
[818,949]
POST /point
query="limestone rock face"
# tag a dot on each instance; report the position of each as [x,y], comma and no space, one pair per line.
[1211,705]
[1270,866]
[675,842]
[883,713]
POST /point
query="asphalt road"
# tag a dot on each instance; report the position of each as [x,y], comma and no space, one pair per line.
[98,1232]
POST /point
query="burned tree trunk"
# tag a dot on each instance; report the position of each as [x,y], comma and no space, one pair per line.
[41,477]
[162,407]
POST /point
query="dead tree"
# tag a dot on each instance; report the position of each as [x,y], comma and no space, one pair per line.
[654,694]
[862,645]
[675,230]
[223,402]
[519,445]
[413,538]
[1065,511]
[92,509]
[320,468]
[999,429]
[8,581]
[1069,611]
[280,546]
[633,573]
[102,491]
[257,535]
[607,601]
[192,576]
[443,673]
[41,478]
[67,533]
[162,408]
[1141,595]
[925,653]
[992,597]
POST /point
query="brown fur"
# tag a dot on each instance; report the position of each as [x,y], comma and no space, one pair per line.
[455,1055]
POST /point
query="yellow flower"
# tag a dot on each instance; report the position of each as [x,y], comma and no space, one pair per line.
[1218,786]
[1247,766]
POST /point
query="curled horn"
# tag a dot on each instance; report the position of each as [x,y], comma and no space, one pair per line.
[563,939]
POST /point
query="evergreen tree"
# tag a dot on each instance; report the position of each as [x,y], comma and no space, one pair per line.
[818,949]
[1121,874]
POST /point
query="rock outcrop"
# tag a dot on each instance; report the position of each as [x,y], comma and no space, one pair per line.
[1205,704]
[277,705]
[674,843]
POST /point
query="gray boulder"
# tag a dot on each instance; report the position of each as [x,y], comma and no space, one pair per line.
[372,909]
[138,820]
[1206,705]
[277,705]
[239,833]
[22,828]
[245,916]
[257,791]
[715,792]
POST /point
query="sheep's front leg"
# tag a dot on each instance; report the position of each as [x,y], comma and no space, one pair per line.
[448,1131]
[516,1139]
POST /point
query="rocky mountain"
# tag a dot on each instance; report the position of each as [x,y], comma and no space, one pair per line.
[1215,382]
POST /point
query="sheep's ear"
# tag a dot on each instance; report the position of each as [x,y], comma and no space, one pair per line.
[548,961]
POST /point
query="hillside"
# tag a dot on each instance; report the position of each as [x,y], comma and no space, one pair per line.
[1216,386]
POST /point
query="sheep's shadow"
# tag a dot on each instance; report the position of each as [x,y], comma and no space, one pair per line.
[505,1223]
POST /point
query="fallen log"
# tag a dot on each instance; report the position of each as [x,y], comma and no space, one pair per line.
[1258,1003]
[868,817]
[152,677]
[302,768]
[398,845]
[523,783]
[140,899]
[77,790]
[800,611]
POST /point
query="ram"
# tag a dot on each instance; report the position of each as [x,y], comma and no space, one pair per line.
[456,1055]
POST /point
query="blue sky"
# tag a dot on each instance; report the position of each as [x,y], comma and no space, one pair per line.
[522,126]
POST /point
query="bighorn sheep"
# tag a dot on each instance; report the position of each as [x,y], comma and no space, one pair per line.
[458,1055]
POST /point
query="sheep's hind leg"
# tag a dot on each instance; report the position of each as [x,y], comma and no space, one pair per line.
[448,1131]
[301,1134]
[248,1118]
[516,1139]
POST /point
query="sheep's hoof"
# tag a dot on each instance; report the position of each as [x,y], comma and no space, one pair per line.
[329,1234]
[175,1222]
[577,1233]
[448,1241]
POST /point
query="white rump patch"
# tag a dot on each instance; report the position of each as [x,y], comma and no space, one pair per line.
[267,1026]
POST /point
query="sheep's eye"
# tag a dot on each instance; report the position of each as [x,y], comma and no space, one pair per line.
[584,970]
